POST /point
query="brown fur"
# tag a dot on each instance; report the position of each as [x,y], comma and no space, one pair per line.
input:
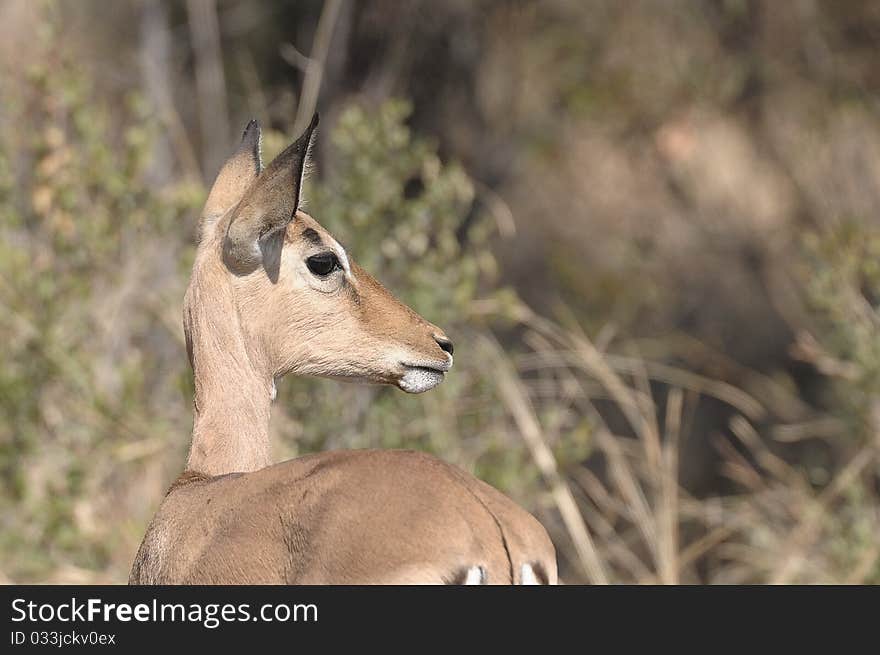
[253,313]
[343,517]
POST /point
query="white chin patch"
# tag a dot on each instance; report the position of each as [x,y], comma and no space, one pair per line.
[418,380]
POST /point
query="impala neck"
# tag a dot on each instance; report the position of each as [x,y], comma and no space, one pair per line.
[233,395]
[231,426]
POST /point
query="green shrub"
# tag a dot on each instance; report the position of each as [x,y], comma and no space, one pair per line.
[78,381]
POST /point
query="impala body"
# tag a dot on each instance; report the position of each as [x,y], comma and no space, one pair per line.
[273,293]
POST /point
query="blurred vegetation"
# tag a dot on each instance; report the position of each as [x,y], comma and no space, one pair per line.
[75,207]
[844,289]
[651,232]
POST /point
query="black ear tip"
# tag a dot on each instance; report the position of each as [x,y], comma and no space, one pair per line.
[315,120]
[252,129]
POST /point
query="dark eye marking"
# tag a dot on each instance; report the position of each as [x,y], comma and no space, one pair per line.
[323,264]
[312,237]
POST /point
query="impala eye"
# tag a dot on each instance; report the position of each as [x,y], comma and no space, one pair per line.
[324,264]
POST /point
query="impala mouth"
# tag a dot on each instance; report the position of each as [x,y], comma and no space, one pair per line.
[421,377]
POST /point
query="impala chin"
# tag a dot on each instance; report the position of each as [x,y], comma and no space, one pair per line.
[421,377]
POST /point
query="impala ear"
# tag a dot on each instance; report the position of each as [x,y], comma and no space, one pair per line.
[271,203]
[236,176]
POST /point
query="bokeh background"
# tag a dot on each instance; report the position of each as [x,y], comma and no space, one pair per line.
[650,228]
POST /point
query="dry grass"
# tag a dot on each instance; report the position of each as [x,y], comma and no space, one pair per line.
[630,521]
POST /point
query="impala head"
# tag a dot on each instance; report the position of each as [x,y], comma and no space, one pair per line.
[291,297]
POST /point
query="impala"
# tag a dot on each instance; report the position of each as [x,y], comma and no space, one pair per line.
[273,293]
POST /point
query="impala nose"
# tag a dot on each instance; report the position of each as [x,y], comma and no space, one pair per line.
[445,344]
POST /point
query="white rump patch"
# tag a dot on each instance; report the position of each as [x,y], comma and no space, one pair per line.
[475,575]
[528,575]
